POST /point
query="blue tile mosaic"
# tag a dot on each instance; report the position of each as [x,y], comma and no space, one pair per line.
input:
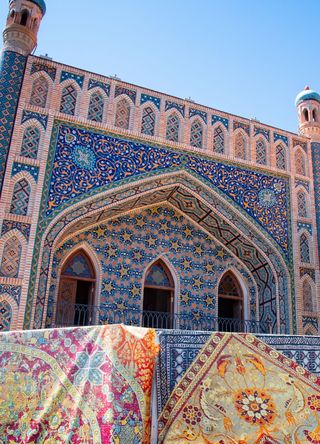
[126,91]
[263,131]
[315,150]
[38,67]
[305,226]
[146,98]
[198,112]
[9,225]
[31,169]
[244,126]
[224,121]
[305,185]
[66,75]
[42,118]
[97,84]
[281,137]
[13,291]
[174,105]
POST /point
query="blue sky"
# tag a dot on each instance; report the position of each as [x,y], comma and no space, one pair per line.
[246,57]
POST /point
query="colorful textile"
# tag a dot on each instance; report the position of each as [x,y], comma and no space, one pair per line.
[79,385]
[179,348]
[241,391]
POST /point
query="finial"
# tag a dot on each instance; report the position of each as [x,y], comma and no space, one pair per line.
[306,87]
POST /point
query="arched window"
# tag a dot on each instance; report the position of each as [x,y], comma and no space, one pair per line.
[148,121]
[75,304]
[218,140]
[11,257]
[30,142]
[20,198]
[281,157]
[307,296]
[302,204]
[240,146]
[261,152]
[173,126]
[5,315]
[305,115]
[230,297]
[196,134]
[314,115]
[39,93]
[24,17]
[96,107]
[158,296]
[68,100]
[123,114]
[304,249]
[300,163]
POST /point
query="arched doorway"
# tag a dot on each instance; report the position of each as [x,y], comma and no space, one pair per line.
[75,304]
[230,303]
[158,296]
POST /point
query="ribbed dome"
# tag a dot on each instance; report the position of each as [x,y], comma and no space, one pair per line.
[307,94]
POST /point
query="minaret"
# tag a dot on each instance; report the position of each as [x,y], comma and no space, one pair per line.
[19,40]
[308,106]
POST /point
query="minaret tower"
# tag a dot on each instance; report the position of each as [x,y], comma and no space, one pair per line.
[19,40]
[308,106]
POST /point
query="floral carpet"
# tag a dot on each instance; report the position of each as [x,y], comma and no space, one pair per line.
[239,390]
[79,385]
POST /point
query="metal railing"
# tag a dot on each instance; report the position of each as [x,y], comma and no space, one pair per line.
[64,314]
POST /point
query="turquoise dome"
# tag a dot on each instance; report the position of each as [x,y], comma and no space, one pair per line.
[39,3]
[307,94]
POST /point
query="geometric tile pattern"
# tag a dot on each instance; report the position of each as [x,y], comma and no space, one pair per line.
[39,92]
[11,76]
[13,291]
[304,249]
[128,92]
[173,125]
[30,142]
[300,163]
[197,112]
[146,98]
[244,126]
[281,137]
[302,204]
[263,197]
[303,144]
[68,100]
[96,106]
[37,67]
[315,150]
[304,226]
[5,315]
[215,119]
[240,146]
[261,152]
[264,132]
[281,158]
[302,183]
[9,225]
[148,121]
[218,140]
[97,84]
[20,198]
[122,118]
[65,75]
[177,106]
[18,167]
[196,133]
[307,271]
[11,258]
[307,297]
[42,118]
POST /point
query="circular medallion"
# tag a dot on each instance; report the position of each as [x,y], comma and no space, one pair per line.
[84,158]
[267,198]
[255,406]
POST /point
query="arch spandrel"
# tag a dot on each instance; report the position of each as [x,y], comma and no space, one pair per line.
[172,188]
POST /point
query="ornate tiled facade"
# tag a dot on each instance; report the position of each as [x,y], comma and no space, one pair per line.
[133,175]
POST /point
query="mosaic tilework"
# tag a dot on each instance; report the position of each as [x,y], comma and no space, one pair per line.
[96,107]
[310,321]
[68,100]
[146,98]
[244,126]
[5,315]
[13,291]
[78,267]
[198,112]
[20,198]
[42,118]
[173,126]
[132,242]
[122,117]
[302,183]
[30,142]
[303,145]
[305,226]
[11,75]
[178,349]
[9,225]
[218,140]
[261,151]
[97,84]
[128,92]
[188,204]
[39,93]
[11,258]
[196,134]
[148,121]
[315,149]
[244,187]
[264,132]
[18,167]
[281,137]
[281,157]
[50,70]
[309,271]
[173,105]
[215,119]
[65,75]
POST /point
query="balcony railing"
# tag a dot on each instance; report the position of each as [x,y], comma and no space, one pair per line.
[66,315]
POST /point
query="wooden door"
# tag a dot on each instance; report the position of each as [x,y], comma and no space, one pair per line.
[66,302]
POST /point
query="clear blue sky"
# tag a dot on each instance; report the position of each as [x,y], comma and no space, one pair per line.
[247,57]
